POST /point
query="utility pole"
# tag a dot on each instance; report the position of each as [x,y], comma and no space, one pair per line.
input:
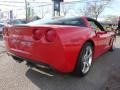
[56,6]
[26,7]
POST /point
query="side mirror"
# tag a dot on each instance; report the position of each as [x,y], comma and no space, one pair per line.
[100,32]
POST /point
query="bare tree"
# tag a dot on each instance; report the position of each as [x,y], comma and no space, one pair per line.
[95,8]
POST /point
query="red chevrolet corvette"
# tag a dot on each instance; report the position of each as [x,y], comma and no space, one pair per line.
[64,44]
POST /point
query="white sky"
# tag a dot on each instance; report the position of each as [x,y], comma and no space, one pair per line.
[112,10]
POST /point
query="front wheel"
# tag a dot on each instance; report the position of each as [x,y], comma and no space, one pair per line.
[84,60]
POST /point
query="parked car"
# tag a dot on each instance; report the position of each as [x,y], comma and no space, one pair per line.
[63,44]
[22,21]
[17,21]
[1,28]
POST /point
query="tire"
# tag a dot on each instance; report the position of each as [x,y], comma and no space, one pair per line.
[81,69]
[111,49]
[112,46]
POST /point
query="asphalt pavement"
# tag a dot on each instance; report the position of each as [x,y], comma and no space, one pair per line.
[15,76]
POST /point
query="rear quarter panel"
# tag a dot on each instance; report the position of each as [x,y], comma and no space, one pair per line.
[72,39]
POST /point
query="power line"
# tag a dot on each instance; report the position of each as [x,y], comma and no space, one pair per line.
[10,5]
[23,6]
[20,2]
[10,2]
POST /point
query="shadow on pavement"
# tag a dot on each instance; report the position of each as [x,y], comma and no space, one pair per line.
[57,82]
[94,80]
[113,82]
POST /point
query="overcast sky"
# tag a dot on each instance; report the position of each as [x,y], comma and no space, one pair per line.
[114,8]
[5,6]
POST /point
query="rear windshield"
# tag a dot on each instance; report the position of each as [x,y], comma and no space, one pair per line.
[60,21]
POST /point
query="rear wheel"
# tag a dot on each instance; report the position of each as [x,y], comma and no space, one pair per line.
[84,60]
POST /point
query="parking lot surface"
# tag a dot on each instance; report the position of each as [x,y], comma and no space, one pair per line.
[15,76]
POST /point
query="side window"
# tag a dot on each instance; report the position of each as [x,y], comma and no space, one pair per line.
[95,26]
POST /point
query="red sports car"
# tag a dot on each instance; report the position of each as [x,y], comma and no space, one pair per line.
[64,44]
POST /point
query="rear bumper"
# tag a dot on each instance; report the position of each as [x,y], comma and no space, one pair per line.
[62,67]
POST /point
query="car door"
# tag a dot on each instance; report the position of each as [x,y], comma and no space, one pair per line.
[102,37]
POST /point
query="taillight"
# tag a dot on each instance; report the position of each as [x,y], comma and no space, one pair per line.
[50,36]
[37,34]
